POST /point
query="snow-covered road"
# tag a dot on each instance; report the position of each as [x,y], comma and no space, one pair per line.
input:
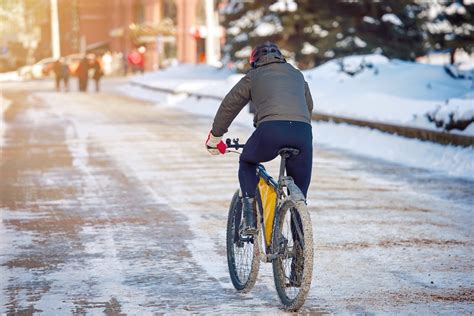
[110,204]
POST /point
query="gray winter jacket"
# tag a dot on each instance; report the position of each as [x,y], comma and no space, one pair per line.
[278,91]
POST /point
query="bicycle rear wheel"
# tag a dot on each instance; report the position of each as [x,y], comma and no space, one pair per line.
[243,252]
[293,242]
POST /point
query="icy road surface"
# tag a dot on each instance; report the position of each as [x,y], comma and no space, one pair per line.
[112,205]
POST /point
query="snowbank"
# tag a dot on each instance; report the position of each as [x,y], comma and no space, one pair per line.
[9,76]
[454,115]
[369,87]
[374,88]
[191,78]
[440,159]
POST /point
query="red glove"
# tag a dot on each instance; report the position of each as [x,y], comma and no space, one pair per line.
[215,145]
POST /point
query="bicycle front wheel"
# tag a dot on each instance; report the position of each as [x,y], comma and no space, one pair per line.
[292,243]
[242,251]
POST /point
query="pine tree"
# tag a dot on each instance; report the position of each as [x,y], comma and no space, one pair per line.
[248,24]
[450,25]
[313,31]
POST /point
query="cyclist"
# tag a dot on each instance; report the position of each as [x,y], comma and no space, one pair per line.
[283,106]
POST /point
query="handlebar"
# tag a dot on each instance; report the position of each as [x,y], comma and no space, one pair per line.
[234,143]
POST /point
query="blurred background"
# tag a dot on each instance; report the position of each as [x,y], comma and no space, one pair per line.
[34,33]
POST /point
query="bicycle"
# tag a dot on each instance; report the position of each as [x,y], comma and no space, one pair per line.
[283,227]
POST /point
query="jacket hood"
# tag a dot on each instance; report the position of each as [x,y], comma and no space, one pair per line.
[269,59]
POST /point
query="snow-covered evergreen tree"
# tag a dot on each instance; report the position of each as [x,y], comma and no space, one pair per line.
[313,31]
[450,26]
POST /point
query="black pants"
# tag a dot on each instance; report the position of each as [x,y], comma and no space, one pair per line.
[264,144]
[97,85]
[83,84]
[58,83]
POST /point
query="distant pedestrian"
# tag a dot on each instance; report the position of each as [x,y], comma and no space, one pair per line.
[141,65]
[136,61]
[61,73]
[65,74]
[57,69]
[83,74]
[98,73]
[125,64]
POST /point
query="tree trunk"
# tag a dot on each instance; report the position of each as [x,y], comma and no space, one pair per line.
[452,54]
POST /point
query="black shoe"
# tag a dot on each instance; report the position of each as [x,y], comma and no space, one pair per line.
[250,221]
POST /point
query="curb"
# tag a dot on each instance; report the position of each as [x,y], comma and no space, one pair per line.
[404,131]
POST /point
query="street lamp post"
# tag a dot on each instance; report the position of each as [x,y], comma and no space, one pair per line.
[55,41]
[211,57]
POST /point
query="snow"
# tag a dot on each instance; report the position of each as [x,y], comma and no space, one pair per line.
[445,160]
[4,105]
[266,29]
[462,109]
[351,40]
[434,10]
[359,42]
[242,37]
[309,49]
[244,52]
[283,6]
[329,54]
[392,18]
[267,26]
[441,26]
[394,98]
[316,29]
[9,76]
[345,42]
[455,8]
[455,111]
[383,90]
[464,60]
[234,30]
[390,91]
[197,78]
[232,7]
[370,20]
[248,19]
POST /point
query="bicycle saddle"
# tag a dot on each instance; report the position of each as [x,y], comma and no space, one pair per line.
[288,151]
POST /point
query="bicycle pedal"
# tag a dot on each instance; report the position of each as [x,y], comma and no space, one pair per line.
[250,231]
[293,284]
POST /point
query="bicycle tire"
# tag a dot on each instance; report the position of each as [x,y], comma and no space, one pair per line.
[243,265]
[296,275]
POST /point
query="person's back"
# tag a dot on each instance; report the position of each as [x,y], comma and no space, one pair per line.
[283,106]
[278,91]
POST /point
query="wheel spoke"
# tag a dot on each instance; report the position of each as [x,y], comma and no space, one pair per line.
[292,277]
[242,253]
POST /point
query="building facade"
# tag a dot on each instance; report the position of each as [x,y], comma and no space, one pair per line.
[166,29]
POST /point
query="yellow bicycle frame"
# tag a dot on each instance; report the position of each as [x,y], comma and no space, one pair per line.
[268,197]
